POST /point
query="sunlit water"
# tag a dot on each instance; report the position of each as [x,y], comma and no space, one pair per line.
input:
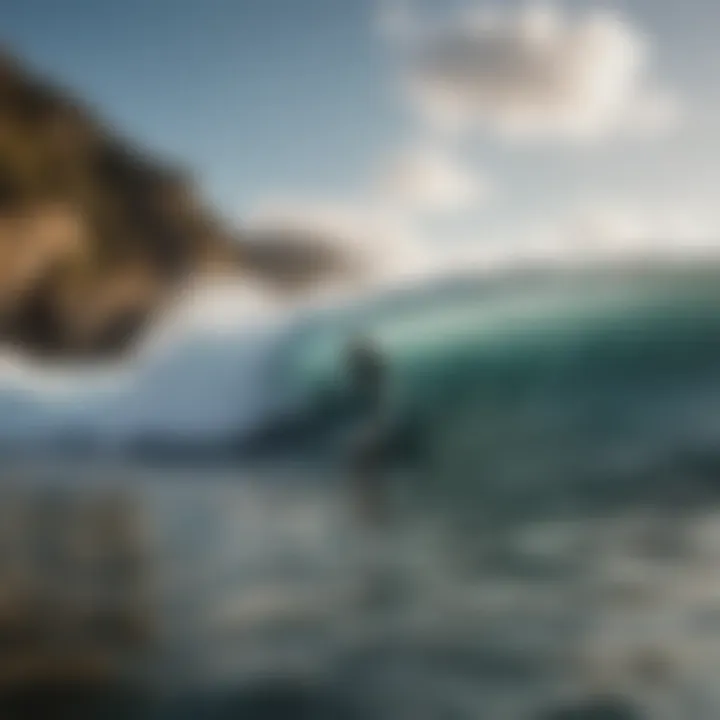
[556,538]
[268,592]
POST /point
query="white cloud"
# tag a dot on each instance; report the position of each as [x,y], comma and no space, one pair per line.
[429,180]
[376,240]
[647,228]
[390,247]
[538,73]
[375,236]
[653,114]
[622,231]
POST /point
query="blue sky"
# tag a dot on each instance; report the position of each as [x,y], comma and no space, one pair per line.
[303,101]
[255,95]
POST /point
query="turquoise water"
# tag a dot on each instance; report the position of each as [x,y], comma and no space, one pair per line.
[571,389]
[555,537]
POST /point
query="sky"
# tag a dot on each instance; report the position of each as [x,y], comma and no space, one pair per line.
[421,131]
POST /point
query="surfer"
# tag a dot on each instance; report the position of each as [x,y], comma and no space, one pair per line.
[368,383]
[374,458]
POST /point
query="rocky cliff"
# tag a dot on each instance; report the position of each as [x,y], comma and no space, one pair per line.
[97,235]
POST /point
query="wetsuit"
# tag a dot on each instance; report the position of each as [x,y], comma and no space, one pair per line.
[368,382]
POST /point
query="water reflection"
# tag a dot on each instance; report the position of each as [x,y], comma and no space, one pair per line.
[255,604]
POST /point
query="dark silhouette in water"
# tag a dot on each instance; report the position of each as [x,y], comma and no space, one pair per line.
[367,377]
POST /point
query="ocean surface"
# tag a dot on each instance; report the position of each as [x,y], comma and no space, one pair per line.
[553,548]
